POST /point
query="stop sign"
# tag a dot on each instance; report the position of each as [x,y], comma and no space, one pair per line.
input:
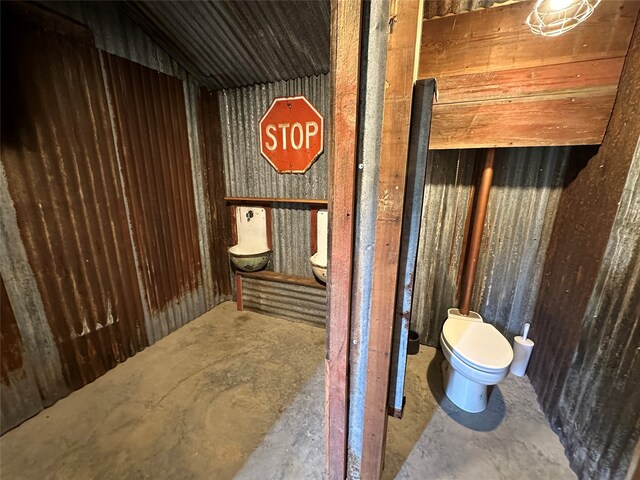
[291,134]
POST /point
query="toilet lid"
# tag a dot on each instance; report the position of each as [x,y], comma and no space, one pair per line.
[477,344]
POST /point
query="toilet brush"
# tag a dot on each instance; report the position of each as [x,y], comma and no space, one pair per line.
[522,348]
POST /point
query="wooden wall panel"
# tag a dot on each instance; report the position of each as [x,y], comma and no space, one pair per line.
[491,58]
[552,120]
[594,76]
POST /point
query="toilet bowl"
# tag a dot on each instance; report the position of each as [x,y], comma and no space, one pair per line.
[319,259]
[477,355]
[252,252]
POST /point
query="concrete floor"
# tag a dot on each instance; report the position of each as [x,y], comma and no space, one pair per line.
[192,406]
[240,395]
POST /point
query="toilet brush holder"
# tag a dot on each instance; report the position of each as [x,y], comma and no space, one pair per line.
[522,348]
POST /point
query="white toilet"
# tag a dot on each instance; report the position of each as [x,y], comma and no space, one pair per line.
[319,259]
[252,251]
[477,356]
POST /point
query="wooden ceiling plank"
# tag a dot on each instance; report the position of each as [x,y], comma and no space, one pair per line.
[498,39]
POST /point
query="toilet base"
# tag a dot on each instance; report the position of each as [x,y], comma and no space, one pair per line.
[470,396]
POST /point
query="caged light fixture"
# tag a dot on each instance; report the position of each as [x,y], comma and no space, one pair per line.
[551,18]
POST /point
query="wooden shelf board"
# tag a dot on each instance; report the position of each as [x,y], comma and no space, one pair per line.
[259,200]
[282,278]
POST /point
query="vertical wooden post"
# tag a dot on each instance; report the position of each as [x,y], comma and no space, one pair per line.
[234,225]
[345,70]
[239,302]
[405,19]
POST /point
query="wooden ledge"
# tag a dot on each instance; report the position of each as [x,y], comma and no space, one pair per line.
[260,200]
[282,278]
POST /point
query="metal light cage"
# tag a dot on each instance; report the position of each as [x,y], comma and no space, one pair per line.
[551,18]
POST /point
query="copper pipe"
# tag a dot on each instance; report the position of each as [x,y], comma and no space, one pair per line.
[476,233]
[478,164]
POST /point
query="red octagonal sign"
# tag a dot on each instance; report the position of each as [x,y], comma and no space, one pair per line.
[291,134]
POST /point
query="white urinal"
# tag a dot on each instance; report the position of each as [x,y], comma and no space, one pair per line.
[252,251]
[319,259]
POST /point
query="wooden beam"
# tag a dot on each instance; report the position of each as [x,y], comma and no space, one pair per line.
[498,39]
[345,72]
[403,41]
[539,121]
[593,76]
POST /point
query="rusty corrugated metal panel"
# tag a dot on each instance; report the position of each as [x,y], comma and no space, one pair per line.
[247,174]
[152,138]
[217,212]
[522,205]
[76,282]
[440,8]
[294,302]
[233,44]
[60,164]
[116,33]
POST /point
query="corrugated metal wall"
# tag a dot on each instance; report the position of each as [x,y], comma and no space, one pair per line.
[526,187]
[247,174]
[104,247]
[300,303]
[291,239]
[204,37]
[20,397]
[62,174]
[586,364]
[216,211]
[441,8]
[598,410]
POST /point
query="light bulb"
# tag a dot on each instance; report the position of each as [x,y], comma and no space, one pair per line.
[557,5]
